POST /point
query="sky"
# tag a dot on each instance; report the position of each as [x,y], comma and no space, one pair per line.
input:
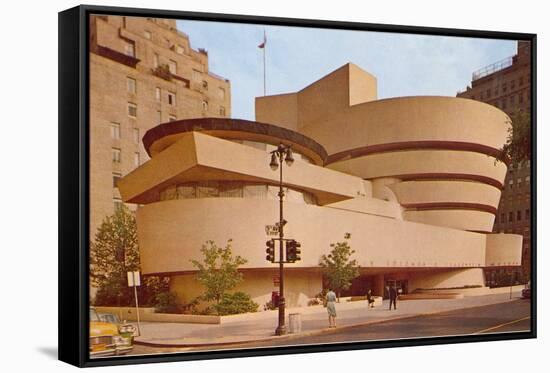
[404,64]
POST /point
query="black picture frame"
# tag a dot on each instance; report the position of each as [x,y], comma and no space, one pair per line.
[74,184]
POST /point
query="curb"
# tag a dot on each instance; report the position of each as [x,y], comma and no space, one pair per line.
[308,333]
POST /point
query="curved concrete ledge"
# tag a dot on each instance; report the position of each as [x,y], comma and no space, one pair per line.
[445,191]
[470,220]
[172,232]
[160,137]
[503,250]
[411,162]
[406,119]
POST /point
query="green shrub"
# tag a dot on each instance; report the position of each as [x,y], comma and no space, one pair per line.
[235,303]
[167,302]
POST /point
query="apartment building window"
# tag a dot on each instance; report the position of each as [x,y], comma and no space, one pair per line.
[132,109]
[222,111]
[518,215]
[116,178]
[205,85]
[136,135]
[519,183]
[496,91]
[117,204]
[528,179]
[513,84]
[136,159]
[130,49]
[180,49]
[520,81]
[512,100]
[115,131]
[157,93]
[173,66]
[171,98]
[204,105]
[159,117]
[503,218]
[172,118]
[521,98]
[527,214]
[116,155]
[504,87]
[131,85]
[155,60]
[148,35]
[196,75]
[510,216]
[221,93]
[511,184]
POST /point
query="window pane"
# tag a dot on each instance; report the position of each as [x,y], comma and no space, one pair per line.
[116,178]
[231,189]
[115,131]
[131,85]
[173,67]
[132,110]
[209,189]
[116,155]
[187,191]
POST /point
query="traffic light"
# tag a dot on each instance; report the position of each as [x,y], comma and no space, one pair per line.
[270,251]
[293,251]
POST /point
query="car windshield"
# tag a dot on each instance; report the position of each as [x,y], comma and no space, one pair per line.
[108,317]
[93,315]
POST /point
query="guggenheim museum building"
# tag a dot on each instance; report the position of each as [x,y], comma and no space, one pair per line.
[416,181]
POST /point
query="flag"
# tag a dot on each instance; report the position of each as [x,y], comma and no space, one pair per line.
[262,46]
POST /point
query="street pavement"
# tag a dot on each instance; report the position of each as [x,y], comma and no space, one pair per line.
[352,318]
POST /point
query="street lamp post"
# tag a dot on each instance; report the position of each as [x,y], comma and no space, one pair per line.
[282,152]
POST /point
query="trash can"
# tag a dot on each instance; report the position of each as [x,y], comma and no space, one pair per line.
[295,323]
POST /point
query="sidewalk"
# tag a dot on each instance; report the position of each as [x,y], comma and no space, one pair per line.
[261,326]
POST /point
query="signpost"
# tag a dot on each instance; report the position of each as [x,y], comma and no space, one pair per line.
[135,281]
[272,230]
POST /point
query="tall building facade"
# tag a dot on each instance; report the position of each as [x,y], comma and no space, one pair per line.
[412,179]
[506,84]
[143,72]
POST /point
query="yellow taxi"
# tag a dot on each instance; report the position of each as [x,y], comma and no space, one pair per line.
[105,339]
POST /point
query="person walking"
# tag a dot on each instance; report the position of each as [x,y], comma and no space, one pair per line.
[393,297]
[370,299]
[331,308]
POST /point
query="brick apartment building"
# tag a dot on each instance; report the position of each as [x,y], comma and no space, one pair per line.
[506,84]
[143,72]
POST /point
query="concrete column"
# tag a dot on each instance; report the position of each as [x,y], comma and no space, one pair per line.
[378,285]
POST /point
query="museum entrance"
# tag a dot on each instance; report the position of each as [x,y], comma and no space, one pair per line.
[402,286]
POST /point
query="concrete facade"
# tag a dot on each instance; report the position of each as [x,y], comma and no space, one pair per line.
[506,85]
[415,180]
[133,89]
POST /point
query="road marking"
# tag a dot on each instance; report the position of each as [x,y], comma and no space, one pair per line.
[501,325]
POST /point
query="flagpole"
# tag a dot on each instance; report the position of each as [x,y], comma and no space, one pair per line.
[264,48]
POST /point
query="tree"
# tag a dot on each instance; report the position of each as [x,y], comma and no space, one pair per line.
[518,143]
[337,267]
[113,252]
[218,272]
